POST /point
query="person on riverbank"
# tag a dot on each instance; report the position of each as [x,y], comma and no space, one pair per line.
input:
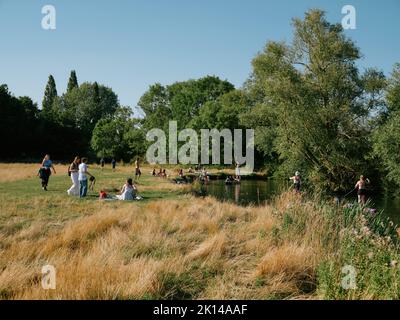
[83,179]
[128,191]
[361,187]
[138,173]
[296,182]
[237,172]
[73,172]
[45,171]
[113,164]
[204,175]
[102,163]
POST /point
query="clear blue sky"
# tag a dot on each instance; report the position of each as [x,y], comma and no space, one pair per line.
[129,45]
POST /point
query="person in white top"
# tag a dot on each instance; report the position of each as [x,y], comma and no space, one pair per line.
[82,177]
[128,191]
[73,171]
[237,171]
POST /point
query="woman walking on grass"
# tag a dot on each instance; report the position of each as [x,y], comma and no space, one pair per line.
[45,171]
[73,172]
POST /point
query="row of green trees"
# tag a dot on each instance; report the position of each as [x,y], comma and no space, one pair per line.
[310,105]
[65,124]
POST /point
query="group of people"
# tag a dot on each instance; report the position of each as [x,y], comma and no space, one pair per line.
[161,173]
[83,180]
[360,187]
[78,171]
[103,163]
[128,192]
[80,177]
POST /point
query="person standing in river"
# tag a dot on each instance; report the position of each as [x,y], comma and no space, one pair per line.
[45,171]
[296,182]
[361,187]
[237,172]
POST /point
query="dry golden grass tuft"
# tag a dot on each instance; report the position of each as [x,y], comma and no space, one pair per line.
[184,248]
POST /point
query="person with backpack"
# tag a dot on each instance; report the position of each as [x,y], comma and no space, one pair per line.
[45,171]
[73,172]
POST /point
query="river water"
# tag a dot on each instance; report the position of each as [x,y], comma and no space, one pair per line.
[256,192]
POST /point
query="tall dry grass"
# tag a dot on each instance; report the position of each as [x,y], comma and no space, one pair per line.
[189,248]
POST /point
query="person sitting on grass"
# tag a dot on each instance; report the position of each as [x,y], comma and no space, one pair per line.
[128,191]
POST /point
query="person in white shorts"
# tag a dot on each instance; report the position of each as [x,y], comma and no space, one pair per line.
[73,171]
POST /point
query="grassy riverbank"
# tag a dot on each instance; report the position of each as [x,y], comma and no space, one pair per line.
[172,245]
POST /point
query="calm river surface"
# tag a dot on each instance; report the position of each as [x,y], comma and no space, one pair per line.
[258,191]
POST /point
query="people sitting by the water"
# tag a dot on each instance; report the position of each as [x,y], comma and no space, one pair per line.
[190,170]
[180,173]
[361,187]
[160,172]
[128,191]
[154,173]
[204,175]
[229,180]
[164,173]
[296,182]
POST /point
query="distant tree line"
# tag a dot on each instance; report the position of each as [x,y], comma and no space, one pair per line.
[312,110]
[64,126]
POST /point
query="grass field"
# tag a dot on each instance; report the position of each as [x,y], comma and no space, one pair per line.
[172,245]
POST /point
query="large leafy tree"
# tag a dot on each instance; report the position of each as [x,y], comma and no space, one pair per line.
[181,101]
[387,135]
[118,136]
[86,105]
[315,102]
